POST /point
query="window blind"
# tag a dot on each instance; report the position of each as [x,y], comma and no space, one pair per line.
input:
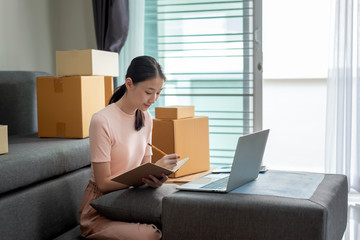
[206,49]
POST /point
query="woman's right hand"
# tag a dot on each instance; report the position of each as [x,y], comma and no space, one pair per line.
[168,161]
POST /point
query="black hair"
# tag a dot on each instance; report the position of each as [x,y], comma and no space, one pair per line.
[141,69]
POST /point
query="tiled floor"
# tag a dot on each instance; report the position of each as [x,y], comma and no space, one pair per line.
[353,226]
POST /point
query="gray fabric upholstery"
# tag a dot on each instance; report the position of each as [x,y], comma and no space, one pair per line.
[196,215]
[18,107]
[73,234]
[44,210]
[332,195]
[142,204]
[32,159]
[289,184]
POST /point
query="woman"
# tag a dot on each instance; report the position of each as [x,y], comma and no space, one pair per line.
[119,134]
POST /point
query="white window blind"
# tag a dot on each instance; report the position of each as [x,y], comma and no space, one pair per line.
[207,50]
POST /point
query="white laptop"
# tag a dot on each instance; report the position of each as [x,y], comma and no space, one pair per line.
[245,167]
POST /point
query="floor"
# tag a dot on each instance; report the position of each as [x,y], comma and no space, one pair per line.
[353,226]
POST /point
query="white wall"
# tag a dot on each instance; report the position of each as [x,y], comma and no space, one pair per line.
[32,30]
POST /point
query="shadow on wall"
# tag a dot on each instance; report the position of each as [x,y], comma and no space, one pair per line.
[31,32]
[72,26]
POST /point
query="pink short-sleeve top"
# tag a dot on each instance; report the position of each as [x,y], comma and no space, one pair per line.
[113,139]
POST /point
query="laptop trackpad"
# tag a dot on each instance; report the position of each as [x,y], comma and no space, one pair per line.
[209,178]
[202,181]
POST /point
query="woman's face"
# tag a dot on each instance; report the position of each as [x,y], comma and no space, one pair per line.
[146,93]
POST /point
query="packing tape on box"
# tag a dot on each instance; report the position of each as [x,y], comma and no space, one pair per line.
[60,129]
[58,85]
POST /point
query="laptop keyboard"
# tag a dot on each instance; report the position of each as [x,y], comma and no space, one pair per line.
[218,184]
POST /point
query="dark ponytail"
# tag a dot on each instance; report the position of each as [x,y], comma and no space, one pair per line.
[139,119]
[141,68]
[119,92]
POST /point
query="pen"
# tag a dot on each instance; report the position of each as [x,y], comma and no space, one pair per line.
[157,149]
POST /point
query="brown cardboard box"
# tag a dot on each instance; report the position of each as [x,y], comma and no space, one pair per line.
[188,137]
[109,89]
[174,112]
[87,62]
[4,145]
[66,105]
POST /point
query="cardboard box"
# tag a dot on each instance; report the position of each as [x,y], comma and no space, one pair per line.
[109,89]
[66,105]
[4,145]
[174,112]
[188,137]
[87,62]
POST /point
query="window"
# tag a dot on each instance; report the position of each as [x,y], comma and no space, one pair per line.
[209,50]
[294,90]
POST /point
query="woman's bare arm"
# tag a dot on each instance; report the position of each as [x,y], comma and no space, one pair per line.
[102,176]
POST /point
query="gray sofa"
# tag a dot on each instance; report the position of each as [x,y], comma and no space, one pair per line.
[43,179]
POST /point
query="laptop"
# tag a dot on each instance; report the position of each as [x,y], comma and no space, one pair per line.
[245,167]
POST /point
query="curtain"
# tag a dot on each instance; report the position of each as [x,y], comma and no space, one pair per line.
[342,153]
[134,46]
[111,19]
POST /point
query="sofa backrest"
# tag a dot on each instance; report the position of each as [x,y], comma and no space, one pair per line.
[18,107]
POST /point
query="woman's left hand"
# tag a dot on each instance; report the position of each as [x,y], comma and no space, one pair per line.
[154,181]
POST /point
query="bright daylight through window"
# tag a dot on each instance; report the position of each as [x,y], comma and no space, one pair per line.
[206,49]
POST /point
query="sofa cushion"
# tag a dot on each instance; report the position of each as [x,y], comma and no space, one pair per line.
[18,106]
[32,159]
[43,210]
[73,234]
[142,204]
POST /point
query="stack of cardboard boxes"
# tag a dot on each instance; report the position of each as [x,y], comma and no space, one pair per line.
[4,146]
[83,86]
[177,130]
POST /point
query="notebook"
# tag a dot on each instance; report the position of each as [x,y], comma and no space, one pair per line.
[245,167]
[134,176]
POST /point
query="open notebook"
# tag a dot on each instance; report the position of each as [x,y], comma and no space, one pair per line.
[134,176]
